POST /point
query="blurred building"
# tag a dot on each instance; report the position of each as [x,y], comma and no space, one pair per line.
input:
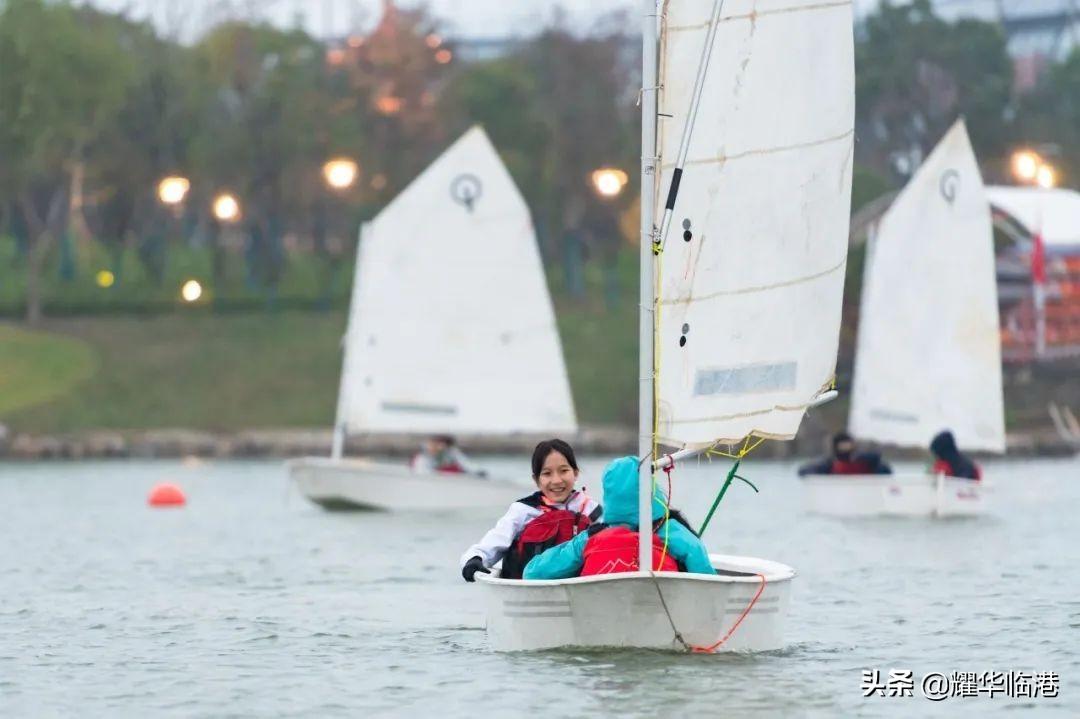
[1019,214]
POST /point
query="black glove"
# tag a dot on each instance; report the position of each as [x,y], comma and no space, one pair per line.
[474,565]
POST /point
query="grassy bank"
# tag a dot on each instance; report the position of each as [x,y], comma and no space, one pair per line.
[39,367]
[201,370]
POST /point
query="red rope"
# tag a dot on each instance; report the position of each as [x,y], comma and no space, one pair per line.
[710,650]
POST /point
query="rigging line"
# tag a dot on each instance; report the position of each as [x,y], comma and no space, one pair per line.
[667,613]
[691,120]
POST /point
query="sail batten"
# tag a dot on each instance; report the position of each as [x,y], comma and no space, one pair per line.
[842,137]
[751,276]
[839,266]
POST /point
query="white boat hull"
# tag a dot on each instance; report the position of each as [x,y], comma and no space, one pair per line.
[356,484]
[903,495]
[626,610]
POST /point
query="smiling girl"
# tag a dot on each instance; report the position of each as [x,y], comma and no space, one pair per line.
[555,513]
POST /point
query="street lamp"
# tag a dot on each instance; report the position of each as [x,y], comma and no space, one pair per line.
[226,208]
[1046,177]
[1025,165]
[173,189]
[191,291]
[341,173]
[1031,169]
[609,181]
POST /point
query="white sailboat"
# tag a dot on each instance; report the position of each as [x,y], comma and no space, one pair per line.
[928,356]
[451,330]
[754,153]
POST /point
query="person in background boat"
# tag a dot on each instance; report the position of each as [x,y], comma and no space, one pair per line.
[555,513]
[440,453]
[949,460]
[613,546]
[845,460]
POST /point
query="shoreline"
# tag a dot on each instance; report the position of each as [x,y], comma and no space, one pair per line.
[290,443]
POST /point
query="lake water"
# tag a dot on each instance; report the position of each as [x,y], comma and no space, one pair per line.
[250,602]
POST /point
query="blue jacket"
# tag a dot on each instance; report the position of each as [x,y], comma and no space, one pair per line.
[621,508]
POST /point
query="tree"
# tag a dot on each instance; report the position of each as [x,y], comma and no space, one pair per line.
[58,87]
[916,73]
[261,131]
[150,138]
[392,79]
[590,122]
[1051,116]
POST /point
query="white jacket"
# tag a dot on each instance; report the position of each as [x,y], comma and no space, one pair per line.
[498,539]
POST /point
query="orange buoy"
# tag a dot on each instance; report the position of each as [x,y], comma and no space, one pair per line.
[166,495]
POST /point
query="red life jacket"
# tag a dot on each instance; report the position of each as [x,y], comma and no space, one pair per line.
[450,468]
[850,466]
[942,466]
[615,549]
[550,529]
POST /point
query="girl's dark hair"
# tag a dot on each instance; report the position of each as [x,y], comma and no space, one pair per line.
[677,516]
[545,448]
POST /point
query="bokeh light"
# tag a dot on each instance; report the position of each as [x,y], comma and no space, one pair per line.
[226,208]
[609,181]
[191,291]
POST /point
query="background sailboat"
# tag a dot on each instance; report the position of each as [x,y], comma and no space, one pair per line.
[928,356]
[451,330]
[741,318]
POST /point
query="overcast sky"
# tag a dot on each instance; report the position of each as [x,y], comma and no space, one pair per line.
[466,18]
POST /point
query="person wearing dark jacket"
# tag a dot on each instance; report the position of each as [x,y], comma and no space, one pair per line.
[949,460]
[845,460]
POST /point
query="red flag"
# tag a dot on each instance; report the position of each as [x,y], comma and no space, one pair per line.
[1038,259]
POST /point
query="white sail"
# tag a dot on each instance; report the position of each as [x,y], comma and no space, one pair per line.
[750,301]
[928,356]
[451,327]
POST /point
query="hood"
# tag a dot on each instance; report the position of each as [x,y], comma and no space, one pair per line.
[944,445]
[621,494]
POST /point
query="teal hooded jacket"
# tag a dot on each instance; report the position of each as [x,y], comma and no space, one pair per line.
[621,508]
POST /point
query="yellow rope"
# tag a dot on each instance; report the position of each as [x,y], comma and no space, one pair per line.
[657,291]
[750,442]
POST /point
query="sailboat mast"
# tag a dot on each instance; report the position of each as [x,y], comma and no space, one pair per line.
[646,369]
[337,446]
